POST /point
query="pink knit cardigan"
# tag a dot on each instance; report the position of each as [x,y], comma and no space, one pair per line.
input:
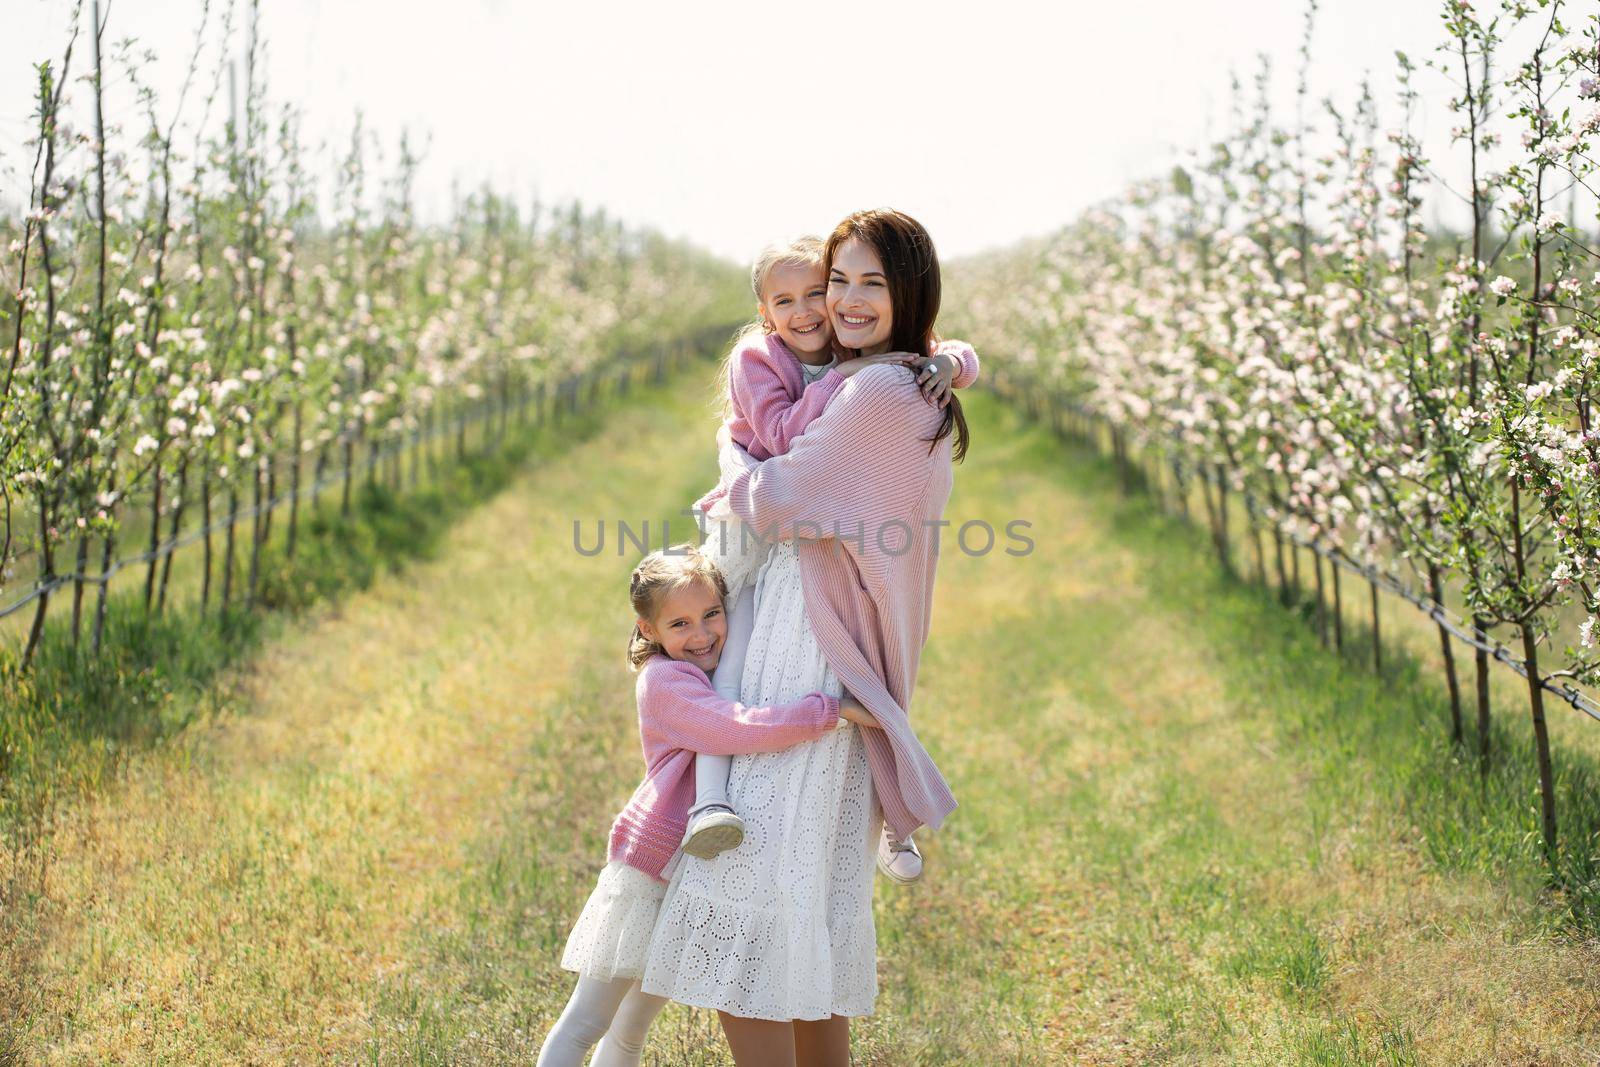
[681,714]
[772,405]
[863,491]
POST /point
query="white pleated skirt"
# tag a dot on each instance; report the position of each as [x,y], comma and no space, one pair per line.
[612,934]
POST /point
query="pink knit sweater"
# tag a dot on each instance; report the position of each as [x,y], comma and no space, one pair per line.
[681,714]
[861,485]
[772,405]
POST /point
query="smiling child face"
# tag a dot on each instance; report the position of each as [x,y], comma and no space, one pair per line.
[793,302]
[690,625]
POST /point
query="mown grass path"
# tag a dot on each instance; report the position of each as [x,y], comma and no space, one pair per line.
[1185,834]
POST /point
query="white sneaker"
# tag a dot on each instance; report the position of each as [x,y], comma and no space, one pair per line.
[715,829]
[901,861]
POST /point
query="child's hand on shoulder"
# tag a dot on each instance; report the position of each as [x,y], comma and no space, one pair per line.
[934,374]
[849,367]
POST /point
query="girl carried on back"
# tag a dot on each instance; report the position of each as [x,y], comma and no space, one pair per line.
[779,378]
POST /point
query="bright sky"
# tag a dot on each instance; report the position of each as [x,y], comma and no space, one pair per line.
[736,123]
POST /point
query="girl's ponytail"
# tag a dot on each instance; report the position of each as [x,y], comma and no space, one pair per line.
[640,648]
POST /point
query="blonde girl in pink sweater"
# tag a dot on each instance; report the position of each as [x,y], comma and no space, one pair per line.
[780,377]
[680,628]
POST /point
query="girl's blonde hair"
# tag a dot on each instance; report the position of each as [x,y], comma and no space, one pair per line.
[658,575]
[803,251]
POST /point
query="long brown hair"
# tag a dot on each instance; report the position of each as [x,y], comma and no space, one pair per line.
[912,267]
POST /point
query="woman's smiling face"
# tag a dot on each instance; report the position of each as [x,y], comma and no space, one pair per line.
[858,299]
[792,301]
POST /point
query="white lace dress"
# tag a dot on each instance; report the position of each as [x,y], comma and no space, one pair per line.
[780,927]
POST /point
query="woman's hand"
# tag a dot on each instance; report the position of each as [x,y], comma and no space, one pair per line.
[850,708]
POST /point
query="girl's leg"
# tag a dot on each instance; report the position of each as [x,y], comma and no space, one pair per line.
[713,824]
[623,1044]
[587,1016]
[710,782]
[729,674]
[759,1042]
[822,1042]
[711,772]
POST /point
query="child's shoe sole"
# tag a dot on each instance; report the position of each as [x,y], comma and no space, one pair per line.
[716,833]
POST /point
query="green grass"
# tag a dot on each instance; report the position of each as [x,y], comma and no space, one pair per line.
[1181,834]
[72,718]
[73,723]
[1187,834]
[1391,731]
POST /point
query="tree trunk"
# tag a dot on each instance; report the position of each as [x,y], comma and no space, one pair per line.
[1377,636]
[349,460]
[81,568]
[1224,548]
[228,550]
[155,536]
[1322,607]
[1541,741]
[1481,663]
[1447,650]
[1260,553]
[1211,508]
[294,484]
[106,548]
[177,519]
[46,576]
[258,534]
[1338,607]
[106,551]
[270,495]
[1283,575]
[205,524]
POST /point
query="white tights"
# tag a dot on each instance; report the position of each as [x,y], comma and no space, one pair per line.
[618,1010]
[711,771]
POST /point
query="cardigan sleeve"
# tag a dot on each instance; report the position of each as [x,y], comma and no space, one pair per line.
[967,356]
[760,394]
[863,463]
[679,708]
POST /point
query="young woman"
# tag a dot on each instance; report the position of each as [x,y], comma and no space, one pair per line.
[779,378]
[777,933]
